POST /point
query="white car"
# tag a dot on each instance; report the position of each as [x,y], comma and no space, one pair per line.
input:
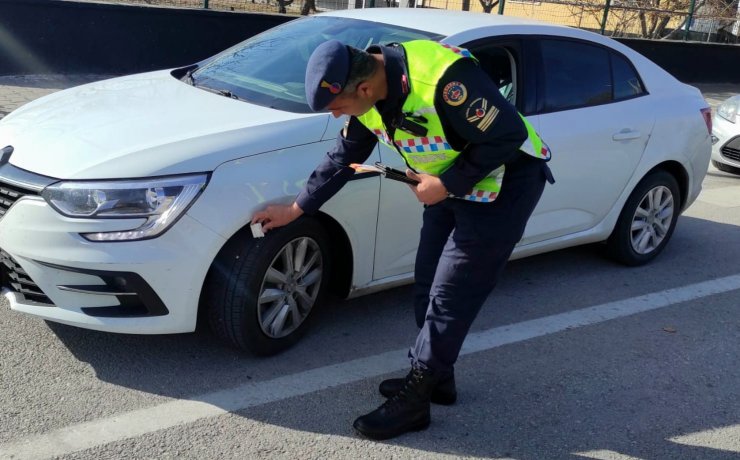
[726,136]
[126,203]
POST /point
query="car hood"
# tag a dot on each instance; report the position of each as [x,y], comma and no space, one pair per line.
[146,125]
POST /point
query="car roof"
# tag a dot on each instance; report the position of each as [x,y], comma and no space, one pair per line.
[460,27]
[444,22]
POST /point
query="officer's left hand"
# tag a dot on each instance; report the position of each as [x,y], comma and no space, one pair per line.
[430,189]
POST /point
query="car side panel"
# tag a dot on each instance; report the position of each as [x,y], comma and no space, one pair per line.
[591,168]
[247,185]
[399,222]
[680,134]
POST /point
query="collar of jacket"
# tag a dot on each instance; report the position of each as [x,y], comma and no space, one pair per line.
[396,74]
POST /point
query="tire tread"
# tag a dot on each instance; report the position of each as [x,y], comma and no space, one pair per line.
[235,278]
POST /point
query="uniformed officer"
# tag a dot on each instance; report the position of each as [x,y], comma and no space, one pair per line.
[481,170]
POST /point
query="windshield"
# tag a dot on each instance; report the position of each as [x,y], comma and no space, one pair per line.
[269,69]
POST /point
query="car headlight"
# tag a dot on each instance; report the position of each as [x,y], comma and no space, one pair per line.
[729,109]
[161,201]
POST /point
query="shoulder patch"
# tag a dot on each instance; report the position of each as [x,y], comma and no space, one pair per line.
[455,93]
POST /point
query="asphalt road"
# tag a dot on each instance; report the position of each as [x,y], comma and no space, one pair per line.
[572,357]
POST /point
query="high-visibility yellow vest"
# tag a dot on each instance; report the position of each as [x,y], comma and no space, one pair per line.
[432,154]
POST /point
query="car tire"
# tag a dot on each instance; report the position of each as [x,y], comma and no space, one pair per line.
[647,220]
[261,291]
[726,168]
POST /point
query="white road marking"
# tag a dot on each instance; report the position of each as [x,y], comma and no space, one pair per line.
[127,425]
[605,455]
[726,438]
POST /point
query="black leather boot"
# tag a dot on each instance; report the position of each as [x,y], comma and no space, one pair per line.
[407,410]
[444,393]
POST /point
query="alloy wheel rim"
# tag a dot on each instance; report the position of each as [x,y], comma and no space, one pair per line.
[652,220]
[290,287]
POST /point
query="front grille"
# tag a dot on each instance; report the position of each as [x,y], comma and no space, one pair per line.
[13,277]
[731,150]
[9,194]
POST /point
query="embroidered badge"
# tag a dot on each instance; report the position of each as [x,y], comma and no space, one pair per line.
[455,93]
[476,110]
[479,114]
[334,88]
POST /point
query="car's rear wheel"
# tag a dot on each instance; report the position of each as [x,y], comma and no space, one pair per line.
[726,168]
[261,291]
[647,220]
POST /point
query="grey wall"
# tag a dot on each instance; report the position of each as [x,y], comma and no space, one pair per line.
[55,36]
[692,61]
[52,36]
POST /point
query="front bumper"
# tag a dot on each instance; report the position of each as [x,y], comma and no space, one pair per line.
[727,149]
[142,287]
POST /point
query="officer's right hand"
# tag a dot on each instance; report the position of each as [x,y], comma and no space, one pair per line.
[276,216]
[429,190]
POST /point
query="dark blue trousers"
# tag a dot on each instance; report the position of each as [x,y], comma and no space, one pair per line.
[463,249]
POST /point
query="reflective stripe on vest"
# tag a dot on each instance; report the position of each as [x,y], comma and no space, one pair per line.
[432,154]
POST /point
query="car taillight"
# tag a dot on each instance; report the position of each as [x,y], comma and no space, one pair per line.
[707,114]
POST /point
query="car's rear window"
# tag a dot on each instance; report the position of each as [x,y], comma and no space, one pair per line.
[577,74]
[269,69]
[626,82]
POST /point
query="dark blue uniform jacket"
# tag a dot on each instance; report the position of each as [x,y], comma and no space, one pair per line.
[482,150]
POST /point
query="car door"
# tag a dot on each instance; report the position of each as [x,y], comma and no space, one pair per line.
[399,222]
[592,114]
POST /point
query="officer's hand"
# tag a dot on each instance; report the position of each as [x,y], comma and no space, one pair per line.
[277,216]
[430,189]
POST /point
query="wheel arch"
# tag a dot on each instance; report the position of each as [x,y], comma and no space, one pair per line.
[620,245]
[679,173]
[340,247]
[340,280]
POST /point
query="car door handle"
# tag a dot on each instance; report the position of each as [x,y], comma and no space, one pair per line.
[626,134]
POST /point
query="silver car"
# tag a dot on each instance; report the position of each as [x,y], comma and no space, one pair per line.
[726,136]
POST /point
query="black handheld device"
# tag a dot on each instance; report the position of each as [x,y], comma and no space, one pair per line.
[395,174]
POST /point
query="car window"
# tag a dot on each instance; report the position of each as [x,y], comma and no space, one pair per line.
[504,59]
[627,84]
[500,65]
[575,74]
[269,69]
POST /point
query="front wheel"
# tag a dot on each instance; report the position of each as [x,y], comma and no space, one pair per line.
[647,220]
[262,291]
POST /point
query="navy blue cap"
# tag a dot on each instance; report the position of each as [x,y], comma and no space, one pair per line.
[327,73]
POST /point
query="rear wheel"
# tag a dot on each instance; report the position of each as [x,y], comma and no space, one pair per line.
[726,168]
[261,292]
[647,220]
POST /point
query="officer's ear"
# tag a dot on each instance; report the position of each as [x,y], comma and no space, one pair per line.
[364,89]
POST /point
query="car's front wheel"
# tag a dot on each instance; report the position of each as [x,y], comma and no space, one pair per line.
[262,291]
[647,220]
